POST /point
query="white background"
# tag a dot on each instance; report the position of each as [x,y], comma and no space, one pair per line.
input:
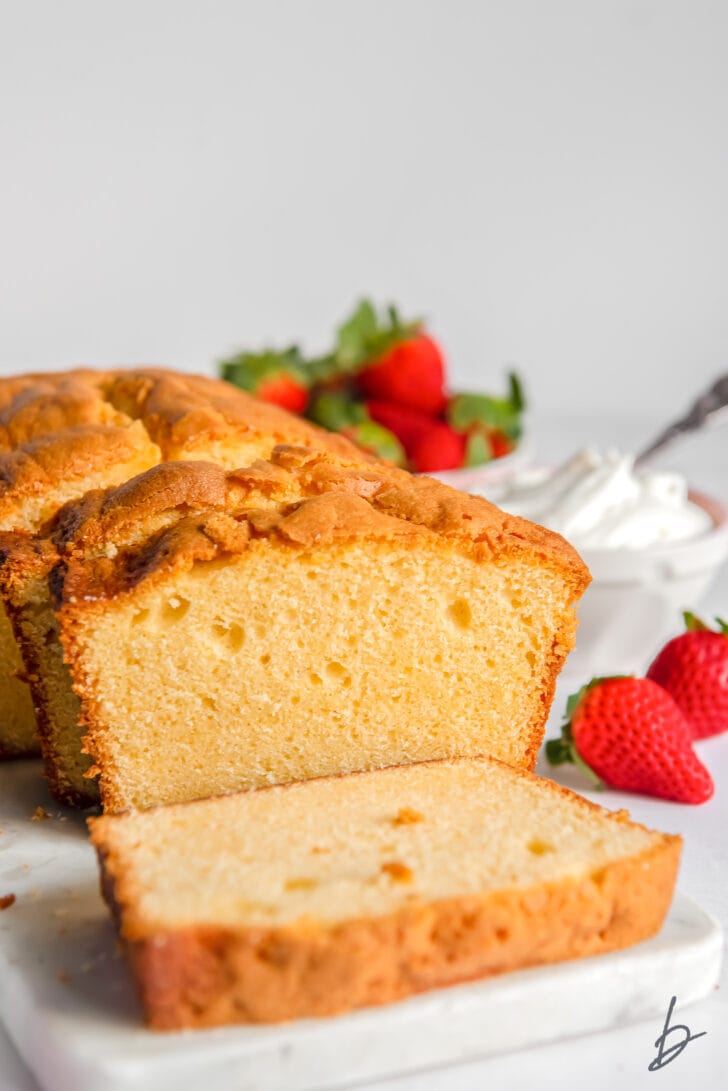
[547,180]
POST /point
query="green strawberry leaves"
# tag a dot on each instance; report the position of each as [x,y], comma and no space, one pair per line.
[472,411]
[694,624]
[374,437]
[336,411]
[563,750]
[248,369]
[516,395]
[366,335]
[477,450]
[339,413]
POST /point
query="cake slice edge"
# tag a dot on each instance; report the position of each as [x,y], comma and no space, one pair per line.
[211,974]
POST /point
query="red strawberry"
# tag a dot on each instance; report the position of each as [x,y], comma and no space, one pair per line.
[411,373]
[283,390]
[274,376]
[630,732]
[408,425]
[500,443]
[693,668]
[439,448]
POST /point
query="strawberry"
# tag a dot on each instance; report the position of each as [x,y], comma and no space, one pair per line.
[277,377]
[283,390]
[430,444]
[439,448]
[492,425]
[500,443]
[408,425]
[693,668]
[411,373]
[630,733]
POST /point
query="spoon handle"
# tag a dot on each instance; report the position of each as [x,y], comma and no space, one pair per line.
[706,406]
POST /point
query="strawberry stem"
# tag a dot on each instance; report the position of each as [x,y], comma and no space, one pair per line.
[558,752]
[695,624]
[587,770]
[563,750]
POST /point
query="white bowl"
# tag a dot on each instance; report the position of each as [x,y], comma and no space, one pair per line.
[636,599]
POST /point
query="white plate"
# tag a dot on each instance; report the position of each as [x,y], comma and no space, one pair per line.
[67,999]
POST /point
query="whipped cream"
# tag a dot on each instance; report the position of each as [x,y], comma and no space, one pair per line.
[600,501]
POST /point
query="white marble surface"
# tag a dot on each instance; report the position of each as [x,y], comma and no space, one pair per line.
[621,1055]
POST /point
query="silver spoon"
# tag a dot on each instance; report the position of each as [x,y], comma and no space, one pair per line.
[707,407]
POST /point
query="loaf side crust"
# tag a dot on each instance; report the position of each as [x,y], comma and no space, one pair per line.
[26,564]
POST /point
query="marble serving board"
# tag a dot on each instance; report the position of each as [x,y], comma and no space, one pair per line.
[67,1000]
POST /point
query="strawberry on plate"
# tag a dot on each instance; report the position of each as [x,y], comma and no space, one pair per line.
[693,668]
[387,379]
[629,733]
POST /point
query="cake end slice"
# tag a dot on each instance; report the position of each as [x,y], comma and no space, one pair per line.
[332,894]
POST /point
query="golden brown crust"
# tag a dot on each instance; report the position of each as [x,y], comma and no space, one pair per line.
[79,452]
[50,408]
[337,502]
[69,425]
[206,976]
[22,558]
[184,413]
[123,514]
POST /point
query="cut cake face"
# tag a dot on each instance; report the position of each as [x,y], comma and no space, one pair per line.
[318,897]
[375,620]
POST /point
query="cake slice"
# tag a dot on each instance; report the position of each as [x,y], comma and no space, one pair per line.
[65,433]
[318,897]
[370,619]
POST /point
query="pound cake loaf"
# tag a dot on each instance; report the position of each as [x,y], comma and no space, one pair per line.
[314,898]
[376,619]
[62,434]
